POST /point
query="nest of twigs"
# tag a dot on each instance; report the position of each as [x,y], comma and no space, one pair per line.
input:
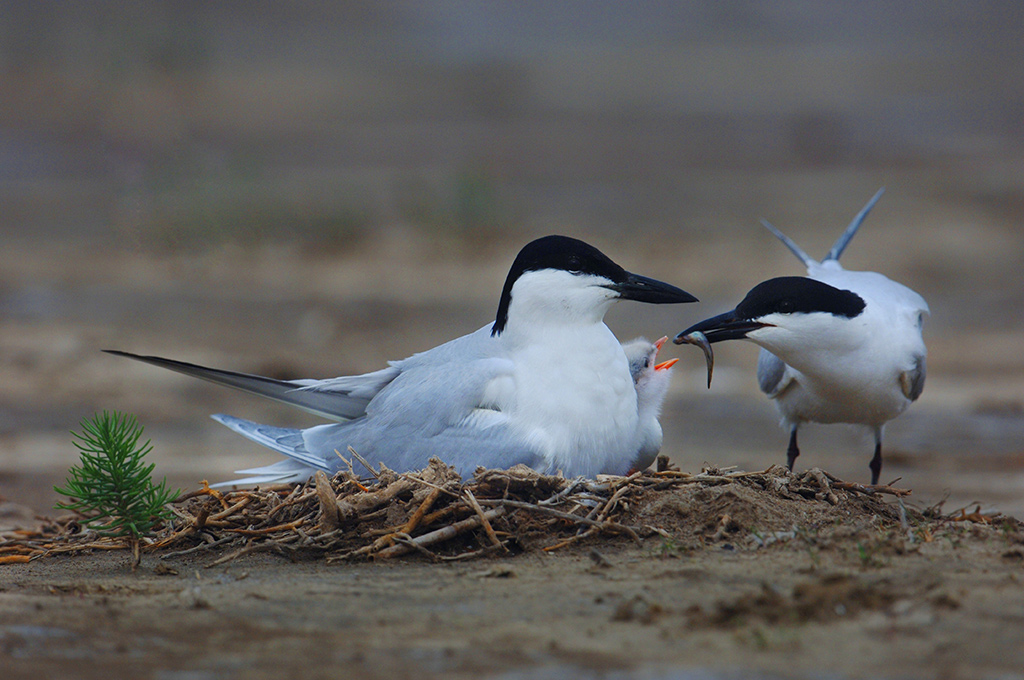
[435,513]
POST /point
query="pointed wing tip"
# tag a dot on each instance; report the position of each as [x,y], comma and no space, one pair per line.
[844,239]
[871,201]
[128,355]
[806,259]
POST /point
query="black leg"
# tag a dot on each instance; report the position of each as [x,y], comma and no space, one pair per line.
[793,451]
[876,462]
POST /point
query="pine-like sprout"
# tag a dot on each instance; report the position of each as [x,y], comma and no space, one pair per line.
[113,487]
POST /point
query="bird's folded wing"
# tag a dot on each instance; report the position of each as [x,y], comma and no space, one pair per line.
[434,408]
[435,396]
[912,381]
[365,386]
[772,374]
[334,404]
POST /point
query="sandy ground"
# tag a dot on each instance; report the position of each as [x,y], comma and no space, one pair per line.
[844,593]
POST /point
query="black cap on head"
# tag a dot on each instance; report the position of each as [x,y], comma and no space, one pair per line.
[572,255]
[798,294]
[563,252]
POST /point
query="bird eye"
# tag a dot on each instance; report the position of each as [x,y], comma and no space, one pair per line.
[786,307]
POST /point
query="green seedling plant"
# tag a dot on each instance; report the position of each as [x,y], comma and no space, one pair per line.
[670,547]
[112,486]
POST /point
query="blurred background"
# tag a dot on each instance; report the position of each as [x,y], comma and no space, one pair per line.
[311,189]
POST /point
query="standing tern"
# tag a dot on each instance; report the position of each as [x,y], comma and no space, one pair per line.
[836,347]
[505,394]
[651,381]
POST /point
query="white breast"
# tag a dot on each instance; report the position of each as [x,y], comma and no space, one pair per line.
[575,400]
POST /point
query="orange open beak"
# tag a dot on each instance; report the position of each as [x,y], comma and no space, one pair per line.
[665,365]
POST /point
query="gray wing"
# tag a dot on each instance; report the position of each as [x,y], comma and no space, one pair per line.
[335,403]
[447,402]
[405,450]
[364,386]
[912,381]
[771,373]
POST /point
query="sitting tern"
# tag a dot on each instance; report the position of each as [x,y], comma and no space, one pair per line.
[837,346]
[505,394]
[651,381]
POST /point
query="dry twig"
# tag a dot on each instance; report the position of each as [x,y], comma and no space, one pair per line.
[443,534]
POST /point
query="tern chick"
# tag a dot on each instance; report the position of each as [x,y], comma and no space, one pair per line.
[651,380]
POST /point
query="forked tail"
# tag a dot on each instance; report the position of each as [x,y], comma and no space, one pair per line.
[841,242]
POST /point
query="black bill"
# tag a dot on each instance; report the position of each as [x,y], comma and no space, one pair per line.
[643,289]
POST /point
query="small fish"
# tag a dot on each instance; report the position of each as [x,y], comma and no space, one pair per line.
[701,340]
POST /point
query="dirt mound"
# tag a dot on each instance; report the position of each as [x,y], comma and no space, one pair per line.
[757,509]
[435,514]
